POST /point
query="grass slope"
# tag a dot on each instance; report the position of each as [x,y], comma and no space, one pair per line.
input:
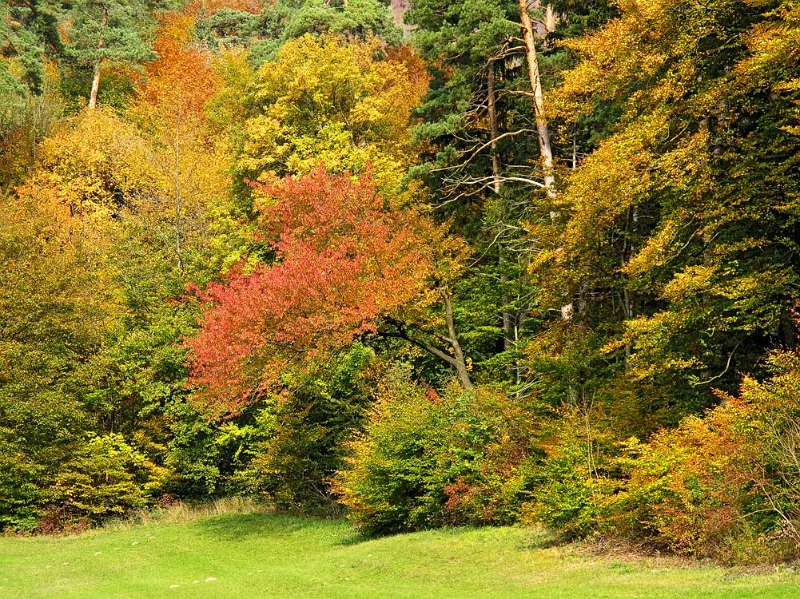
[267,555]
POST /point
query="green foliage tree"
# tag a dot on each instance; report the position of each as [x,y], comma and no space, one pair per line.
[106,31]
[265,33]
[426,460]
[58,304]
[480,158]
[310,422]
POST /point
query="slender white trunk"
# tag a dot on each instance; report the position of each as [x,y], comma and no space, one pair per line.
[493,129]
[95,86]
[542,127]
[178,202]
[98,63]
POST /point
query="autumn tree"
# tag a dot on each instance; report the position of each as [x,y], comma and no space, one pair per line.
[171,107]
[323,100]
[58,302]
[30,101]
[481,158]
[681,223]
[343,261]
[264,30]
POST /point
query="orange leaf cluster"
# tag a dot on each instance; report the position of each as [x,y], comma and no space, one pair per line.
[182,80]
[344,260]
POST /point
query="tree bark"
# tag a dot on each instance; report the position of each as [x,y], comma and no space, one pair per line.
[509,319]
[98,63]
[454,357]
[493,129]
[178,202]
[95,86]
[542,127]
[459,362]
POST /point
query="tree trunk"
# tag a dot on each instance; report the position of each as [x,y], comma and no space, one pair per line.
[98,63]
[95,86]
[542,127]
[452,354]
[459,361]
[490,100]
[178,202]
[545,149]
[509,319]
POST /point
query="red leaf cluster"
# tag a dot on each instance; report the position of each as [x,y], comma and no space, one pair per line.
[344,259]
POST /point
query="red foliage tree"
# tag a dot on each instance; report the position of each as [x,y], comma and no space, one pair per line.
[344,259]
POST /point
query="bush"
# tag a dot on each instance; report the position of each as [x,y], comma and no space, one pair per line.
[572,483]
[425,461]
[305,430]
[689,488]
[724,486]
[107,477]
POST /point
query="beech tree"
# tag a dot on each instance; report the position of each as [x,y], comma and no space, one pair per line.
[171,108]
[343,261]
[58,304]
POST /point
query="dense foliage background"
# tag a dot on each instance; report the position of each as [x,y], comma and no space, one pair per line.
[503,262]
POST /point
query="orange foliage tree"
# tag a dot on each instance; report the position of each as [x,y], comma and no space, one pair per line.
[191,163]
[343,261]
[182,80]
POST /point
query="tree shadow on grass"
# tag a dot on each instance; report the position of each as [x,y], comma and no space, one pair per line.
[543,540]
[537,540]
[276,525]
[355,537]
[239,526]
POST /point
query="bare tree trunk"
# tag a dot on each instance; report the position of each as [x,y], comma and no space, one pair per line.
[453,355]
[95,86]
[542,128]
[509,319]
[459,362]
[490,100]
[178,202]
[98,64]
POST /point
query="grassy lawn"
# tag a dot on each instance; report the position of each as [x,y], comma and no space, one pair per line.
[266,555]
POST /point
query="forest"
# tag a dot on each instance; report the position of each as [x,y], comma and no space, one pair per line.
[416,265]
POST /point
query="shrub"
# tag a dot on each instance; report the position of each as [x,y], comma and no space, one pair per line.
[725,485]
[106,477]
[305,429]
[566,495]
[425,461]
[689,487]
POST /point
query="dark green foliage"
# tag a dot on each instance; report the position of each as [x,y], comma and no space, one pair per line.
[308,427]
[283,20]
[107,30]
[28,34]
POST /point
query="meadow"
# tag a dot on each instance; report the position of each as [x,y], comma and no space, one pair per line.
[262,554]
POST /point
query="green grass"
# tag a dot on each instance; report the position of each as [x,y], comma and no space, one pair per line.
[267,555]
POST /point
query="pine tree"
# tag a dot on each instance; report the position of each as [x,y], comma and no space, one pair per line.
[106,30]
